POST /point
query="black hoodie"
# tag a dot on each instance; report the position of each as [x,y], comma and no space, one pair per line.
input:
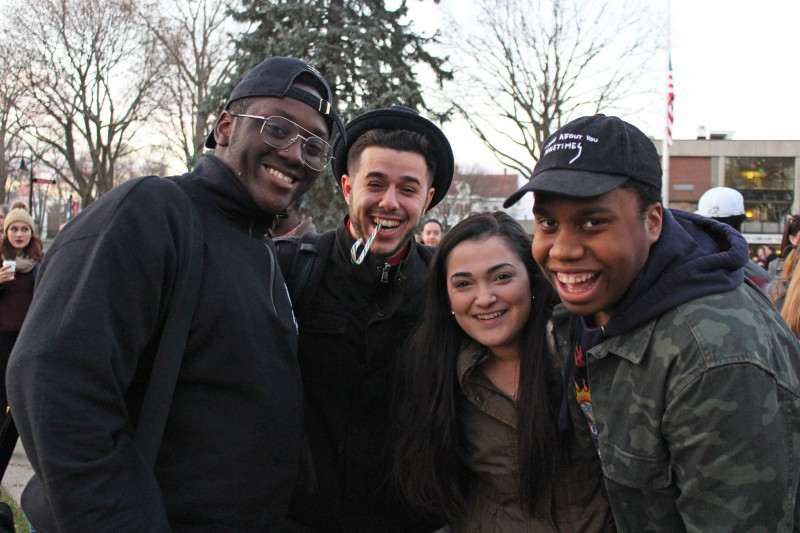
[231,443]
[694,256]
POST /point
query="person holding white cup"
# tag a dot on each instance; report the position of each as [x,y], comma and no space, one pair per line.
[21,251]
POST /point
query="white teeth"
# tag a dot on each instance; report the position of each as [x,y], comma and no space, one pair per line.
[489,316]
[280,175]
[385,223]
[568,279]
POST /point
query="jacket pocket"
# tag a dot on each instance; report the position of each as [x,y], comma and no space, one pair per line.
[636,471]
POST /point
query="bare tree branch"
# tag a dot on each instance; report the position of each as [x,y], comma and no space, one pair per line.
[12,112]
[92,81]
[528,66]
[195,37]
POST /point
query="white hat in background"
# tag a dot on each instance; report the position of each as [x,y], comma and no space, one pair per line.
[721,202]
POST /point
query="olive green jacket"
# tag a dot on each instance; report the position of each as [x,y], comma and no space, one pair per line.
[489,422]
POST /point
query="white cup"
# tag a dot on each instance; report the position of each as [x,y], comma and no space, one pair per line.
[12,264]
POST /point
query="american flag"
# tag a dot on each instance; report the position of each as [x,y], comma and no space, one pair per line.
[670,100]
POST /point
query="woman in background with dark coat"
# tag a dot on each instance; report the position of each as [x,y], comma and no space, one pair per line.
[782,268]
[21,251]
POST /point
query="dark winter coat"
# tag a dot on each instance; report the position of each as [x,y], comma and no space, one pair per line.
[230,447]
[15,299]
[350,338]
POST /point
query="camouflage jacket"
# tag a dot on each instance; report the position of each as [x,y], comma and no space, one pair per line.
[698,415]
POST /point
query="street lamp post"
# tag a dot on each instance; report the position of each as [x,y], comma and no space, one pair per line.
[30,183]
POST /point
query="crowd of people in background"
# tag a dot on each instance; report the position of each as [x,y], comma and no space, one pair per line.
[628,367]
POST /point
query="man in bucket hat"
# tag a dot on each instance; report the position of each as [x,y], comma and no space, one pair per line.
[684,378]
[393,166]
[82,362]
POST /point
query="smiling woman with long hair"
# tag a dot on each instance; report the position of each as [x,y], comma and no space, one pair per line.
[479,391]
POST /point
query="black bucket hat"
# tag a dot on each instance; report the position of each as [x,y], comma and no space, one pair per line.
[394,118]
[274,77]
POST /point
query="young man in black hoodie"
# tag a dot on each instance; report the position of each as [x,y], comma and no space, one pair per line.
[82,362]
[684,378]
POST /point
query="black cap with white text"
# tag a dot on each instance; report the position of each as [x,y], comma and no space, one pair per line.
[591,156]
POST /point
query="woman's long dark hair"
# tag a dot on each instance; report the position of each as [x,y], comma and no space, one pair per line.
[427,469]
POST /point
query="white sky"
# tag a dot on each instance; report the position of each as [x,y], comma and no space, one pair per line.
[736,66]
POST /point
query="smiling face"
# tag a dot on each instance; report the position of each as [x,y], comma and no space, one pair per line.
[19,235]
[272,177]
[490,293]
[591,249]
[390,187]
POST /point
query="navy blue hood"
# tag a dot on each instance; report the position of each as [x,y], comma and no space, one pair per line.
[694,256]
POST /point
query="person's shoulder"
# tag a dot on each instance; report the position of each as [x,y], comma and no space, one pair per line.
[735,304]
[164,190]
[737,325]
[147,192]
[775,268]
[139,202]
[423,250]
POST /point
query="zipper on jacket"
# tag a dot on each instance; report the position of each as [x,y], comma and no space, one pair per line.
[385,273]
[272,267]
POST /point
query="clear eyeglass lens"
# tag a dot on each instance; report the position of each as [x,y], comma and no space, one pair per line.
[281,133]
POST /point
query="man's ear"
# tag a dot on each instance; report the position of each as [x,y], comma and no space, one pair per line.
[347,187]
[431,192]
[654,220]
[223,129]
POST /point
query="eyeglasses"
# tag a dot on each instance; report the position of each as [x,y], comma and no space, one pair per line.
[280,132]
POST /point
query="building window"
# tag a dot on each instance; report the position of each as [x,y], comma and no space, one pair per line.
[767,184]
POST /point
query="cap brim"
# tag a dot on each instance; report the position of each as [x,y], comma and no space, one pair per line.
[577,184]
[393,120]
[323,107]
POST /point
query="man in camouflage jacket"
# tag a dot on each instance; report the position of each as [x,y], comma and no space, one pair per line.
[683,377]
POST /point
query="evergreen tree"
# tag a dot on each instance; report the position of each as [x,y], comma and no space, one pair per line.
[362,48]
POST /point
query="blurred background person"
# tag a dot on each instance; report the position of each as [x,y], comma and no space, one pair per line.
[478,439]
[432,232]
[783,267]
[765,255]
[726,205]
[21,253]
[3,212]
[790,310]
[778,288]
[791,234]
[293,225]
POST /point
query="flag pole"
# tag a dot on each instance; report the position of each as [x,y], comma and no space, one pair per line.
[669,117]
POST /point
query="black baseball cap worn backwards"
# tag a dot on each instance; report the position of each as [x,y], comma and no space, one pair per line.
[394,118]
[274,77]
[592,156]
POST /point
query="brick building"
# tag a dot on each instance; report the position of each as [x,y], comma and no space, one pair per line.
[767,173]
